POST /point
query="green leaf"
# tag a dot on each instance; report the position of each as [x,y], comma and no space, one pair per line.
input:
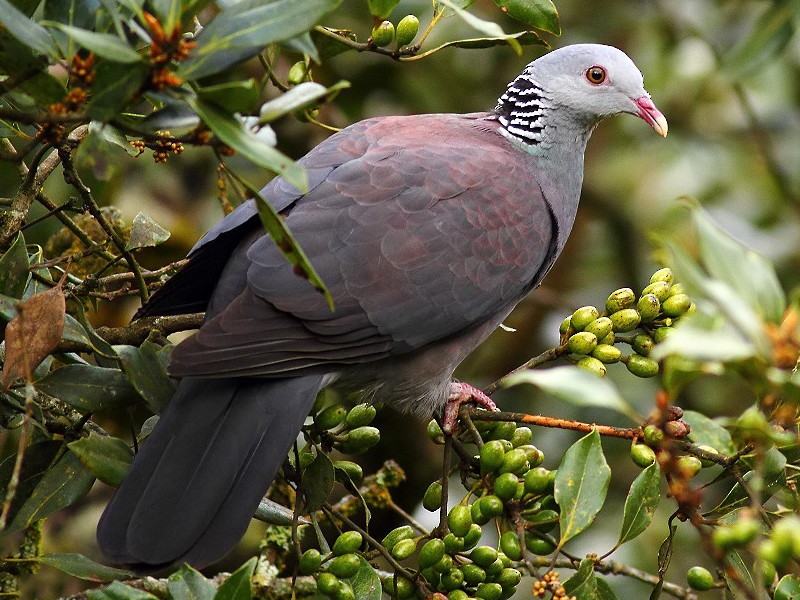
[145,369]
[788,587]
[119,591]
[14,271]
[81,567]
[705,339]
[365,583]
[106,45]
[114,87]
[64,483]
[641,503]
[773,480]
[234,134]
[146,233]
[581,485]
[36,460]
[574,385]
[108,458]
[89,388]
[583,584]
[229,39]
[26,30]
[318,479]
[771,34]
[747,272]
[706,432]
[298,98]
[237,586]
[489,28]
[188,584]
[604,591]
[169,13]
[539,14]
[303,44]
[232,96]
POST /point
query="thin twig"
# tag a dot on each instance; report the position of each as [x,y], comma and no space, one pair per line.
[542,421]
[546,356]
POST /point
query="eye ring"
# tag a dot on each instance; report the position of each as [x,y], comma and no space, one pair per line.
[596,75]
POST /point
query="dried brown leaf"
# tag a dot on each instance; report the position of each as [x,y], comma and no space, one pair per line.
[33,333]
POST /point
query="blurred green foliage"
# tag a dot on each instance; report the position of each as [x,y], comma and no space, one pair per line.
[724,73]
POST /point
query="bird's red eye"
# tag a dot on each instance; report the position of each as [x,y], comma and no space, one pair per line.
[596,75]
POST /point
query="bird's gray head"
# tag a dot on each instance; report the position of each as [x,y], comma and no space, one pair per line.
[575,86]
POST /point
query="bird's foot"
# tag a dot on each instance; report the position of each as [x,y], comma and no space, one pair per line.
[461,393]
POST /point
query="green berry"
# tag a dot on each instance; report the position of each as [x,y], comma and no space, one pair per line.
[330,417]
[592,365]
[361,439]
[689,466]
[347,543]
[609,340]
[435,432]
[699,579]
[404,548]
[660,334]
[297,74]
[515,461]
[601,327]
[641,366]
[432,500]
[309,562]
[509,544]
[648,307]
[509,578]
[360,415]
[544,520]
[664,275]
[473,536]
[653,436]
[344,592]
[676,305]
[473,574]
[491,506]
[489,591]
[477,513]
[642,455]
[538,546]
[458,594]
[537,481]
[327,583]
[453,543]
[768,573]
[398,587]
[459,520]
[521,437]
[432,552]
[452,580]
[383,34]
[660,289]
[619,300]
[566,327]
[642,344]
[483,556]
[395,535]
[624,320]
[677,288]
[583,316]
[345,566]
[505,486]
[744,531]
[533,454]
[582,342]
[607,354]
[503,430]
[353,470]
[407,30]
[491,456]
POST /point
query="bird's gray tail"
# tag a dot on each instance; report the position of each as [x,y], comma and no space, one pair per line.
[201,473]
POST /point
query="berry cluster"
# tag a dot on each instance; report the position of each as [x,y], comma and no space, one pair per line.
[385,32]
[640,322]
[161,147]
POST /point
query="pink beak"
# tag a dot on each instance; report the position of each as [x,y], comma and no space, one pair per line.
[652,116]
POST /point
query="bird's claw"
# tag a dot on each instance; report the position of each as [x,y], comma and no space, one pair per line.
[461,393]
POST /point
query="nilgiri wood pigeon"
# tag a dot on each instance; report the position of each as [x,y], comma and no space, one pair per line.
[426,229]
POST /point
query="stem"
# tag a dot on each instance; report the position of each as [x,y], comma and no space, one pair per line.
[542,421]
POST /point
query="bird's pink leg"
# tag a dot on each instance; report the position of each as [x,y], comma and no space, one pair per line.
[459,394]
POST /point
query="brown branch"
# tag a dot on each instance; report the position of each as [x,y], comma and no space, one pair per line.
[542,421]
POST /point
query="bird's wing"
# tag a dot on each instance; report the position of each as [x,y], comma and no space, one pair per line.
[437,225]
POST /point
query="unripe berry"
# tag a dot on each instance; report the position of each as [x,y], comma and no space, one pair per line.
[404,548]
[503,430]
[505,486]
[642,344]
[483,556]
[473,536]
[435,432]
[601,327]
[297,73]
[620,299]
[347,543]
[432,500]
[473,574]
[309,562]
[592,365]
[491,456]
[477,513]
[361,439]
[395,535]
[566,327]
[582,342]
[509,578]
[383,34]
[676,305]
[432,552]
[624,320]
[330,417]
[660,289]
[642,455]
[537,481]
[660,334]
[407,30]
[699,579]
[491,506]
[653,435]
[353,470]
[537,545]
[360,415]
[533,454]
[327,583]
[583,316]
[689,466]
[515,461]
[459,520]
[641,366]
[509,544]
[522,436]
[489,591]
[664,275]
[648,307]
[676,289]
[344,566]
[607,354]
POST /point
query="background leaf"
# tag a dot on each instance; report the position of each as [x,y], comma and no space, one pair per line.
[81,567]
[108,458]
[89,388]
[641,503]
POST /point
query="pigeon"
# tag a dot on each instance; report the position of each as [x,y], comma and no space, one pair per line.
[426,229]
